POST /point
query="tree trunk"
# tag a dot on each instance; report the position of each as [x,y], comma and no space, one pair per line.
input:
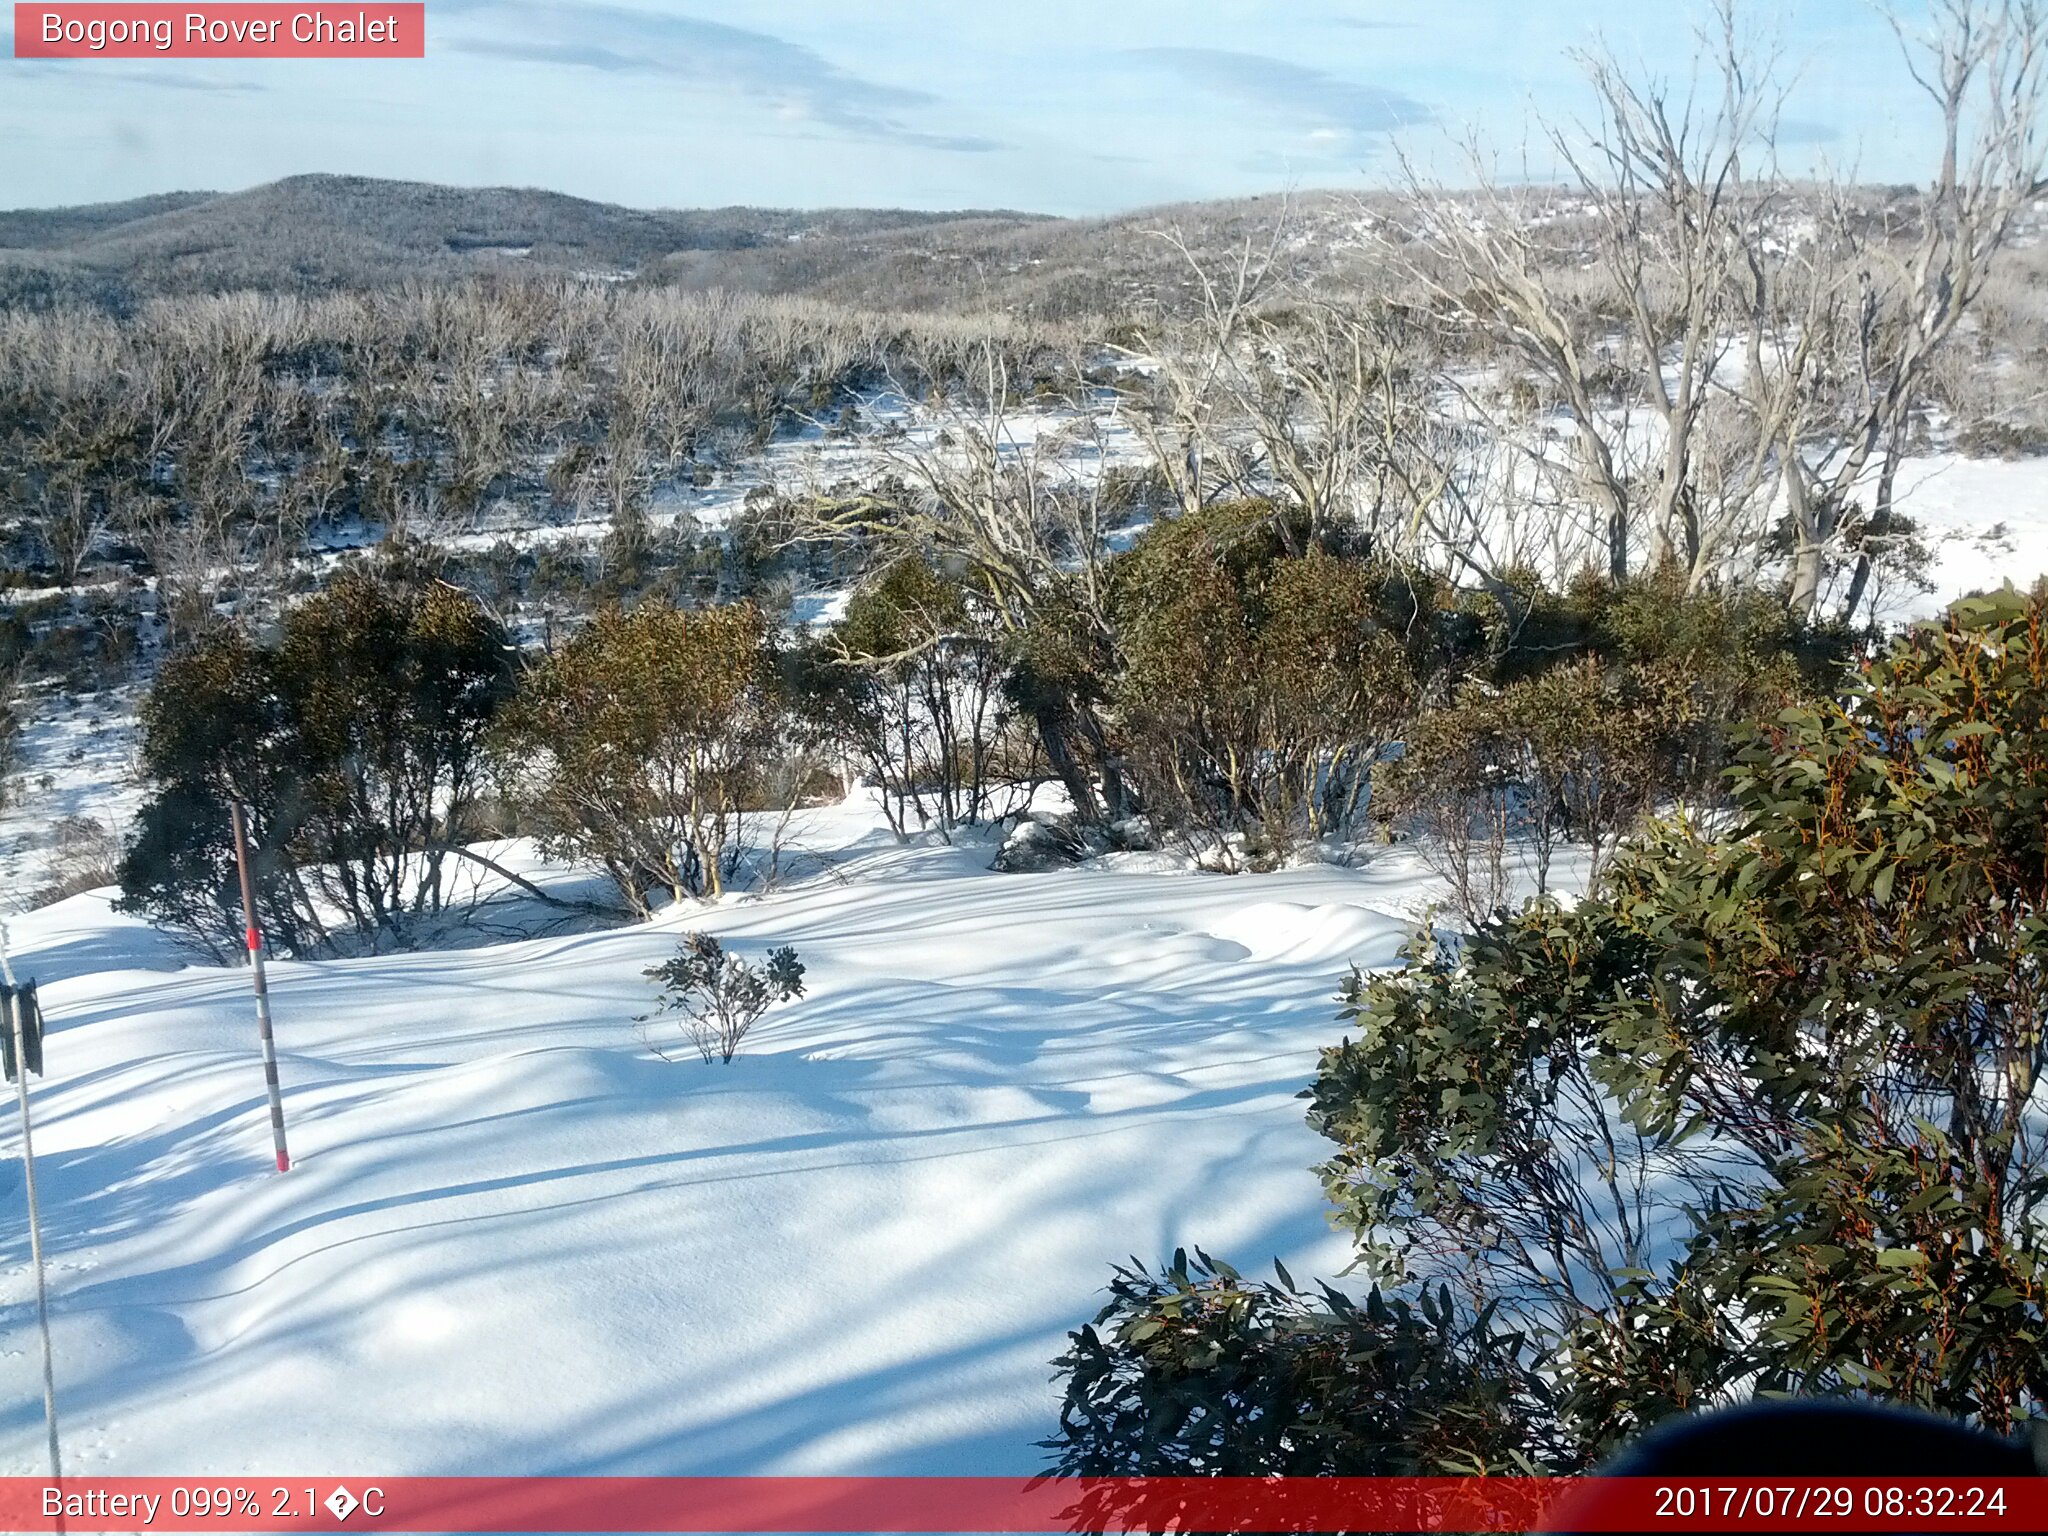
[1880,527]
[1055,725]
[1810,540]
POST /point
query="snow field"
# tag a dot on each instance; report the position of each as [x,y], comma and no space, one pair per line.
[516,1240]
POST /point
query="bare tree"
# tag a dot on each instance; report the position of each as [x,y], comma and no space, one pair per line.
[1663,209]
[1980,63]
[1733,354]
[1274,390]
[71,520]
[1021,513]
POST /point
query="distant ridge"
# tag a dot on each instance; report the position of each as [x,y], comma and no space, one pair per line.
[318,231]
[308,234]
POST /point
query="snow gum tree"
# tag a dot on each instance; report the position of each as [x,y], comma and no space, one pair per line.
[356,741]
[915,690]
[1023,520]
[640,743]
[1257,688]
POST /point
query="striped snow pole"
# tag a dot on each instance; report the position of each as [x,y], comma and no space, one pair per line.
[254,936]
[14,1018]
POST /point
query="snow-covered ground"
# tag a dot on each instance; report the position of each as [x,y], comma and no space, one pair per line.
[1985,522]
[516,1240]
[76,759]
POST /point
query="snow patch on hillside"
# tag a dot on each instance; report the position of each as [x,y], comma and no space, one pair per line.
[76,757]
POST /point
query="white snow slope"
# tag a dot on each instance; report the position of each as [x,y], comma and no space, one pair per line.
[516,1241]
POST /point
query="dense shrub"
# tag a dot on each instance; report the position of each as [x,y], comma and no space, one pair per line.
[1705,661]
[1197,1372]
[1571,754]
[356,741]
[1607,703]
[641,743]
[1761,1112]
[1256,689]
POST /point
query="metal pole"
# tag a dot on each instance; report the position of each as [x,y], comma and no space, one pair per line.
[35,1218]
[255,938]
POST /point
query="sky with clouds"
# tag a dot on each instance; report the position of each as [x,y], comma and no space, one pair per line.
[1063,106]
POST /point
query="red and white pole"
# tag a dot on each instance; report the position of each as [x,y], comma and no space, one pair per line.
[255,938]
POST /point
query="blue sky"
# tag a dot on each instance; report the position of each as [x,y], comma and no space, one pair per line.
[1065,106]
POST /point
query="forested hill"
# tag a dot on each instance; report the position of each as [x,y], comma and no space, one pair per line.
[310,232]
[313,233]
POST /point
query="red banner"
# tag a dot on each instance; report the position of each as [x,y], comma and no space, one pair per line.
[114,31]
[921,1504]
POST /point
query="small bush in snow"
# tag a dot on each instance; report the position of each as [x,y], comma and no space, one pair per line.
[720,996]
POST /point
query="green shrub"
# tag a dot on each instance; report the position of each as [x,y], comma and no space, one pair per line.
[1255,689]
[720,996]
[1759,1114]
[1195,1371]
[1604,704]
[356,741]
[641,742]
